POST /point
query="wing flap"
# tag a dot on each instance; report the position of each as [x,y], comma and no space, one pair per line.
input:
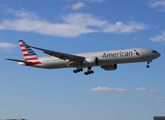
[60,55]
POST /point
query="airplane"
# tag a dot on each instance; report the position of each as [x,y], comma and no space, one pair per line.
[107,60]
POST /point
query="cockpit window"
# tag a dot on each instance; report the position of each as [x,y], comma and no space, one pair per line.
[154,51]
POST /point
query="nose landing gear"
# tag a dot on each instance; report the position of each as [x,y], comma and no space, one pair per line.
[89,71]
[147,66]
[148,62]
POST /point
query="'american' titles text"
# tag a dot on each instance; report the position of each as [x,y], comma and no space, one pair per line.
[119,54]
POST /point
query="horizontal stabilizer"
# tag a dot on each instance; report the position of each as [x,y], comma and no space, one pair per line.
[18,60]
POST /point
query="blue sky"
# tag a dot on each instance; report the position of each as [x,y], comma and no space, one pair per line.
[73,26]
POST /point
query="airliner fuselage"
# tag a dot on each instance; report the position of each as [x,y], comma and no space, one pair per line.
[107,60]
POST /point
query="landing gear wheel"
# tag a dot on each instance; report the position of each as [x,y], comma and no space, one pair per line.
[77,70]
[81,69]
[92,71]
[74,71]
[148,62]
[86,73]
[147,66]
[89,71]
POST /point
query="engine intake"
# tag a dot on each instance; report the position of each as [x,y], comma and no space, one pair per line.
[109,67]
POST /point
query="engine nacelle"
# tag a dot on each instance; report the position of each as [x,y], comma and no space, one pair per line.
[91,61]
[109,67]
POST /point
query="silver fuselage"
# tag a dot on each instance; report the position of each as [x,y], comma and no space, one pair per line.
[105,58]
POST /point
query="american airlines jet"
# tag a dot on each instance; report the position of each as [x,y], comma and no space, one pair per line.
[107,60]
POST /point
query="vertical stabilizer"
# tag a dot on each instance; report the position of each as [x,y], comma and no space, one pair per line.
[28,53]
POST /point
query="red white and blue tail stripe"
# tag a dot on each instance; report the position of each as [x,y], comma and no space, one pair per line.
[29,54]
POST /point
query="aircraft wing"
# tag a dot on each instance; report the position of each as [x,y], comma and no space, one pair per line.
[60,55]
[18,60]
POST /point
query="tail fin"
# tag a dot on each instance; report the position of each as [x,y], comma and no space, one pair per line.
[28,53]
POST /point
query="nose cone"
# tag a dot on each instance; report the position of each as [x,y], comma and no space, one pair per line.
[158,55]
[155,54]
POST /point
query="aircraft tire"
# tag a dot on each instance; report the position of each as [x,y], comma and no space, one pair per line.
[81,69]
[74,71]
[86,73]
[147,66]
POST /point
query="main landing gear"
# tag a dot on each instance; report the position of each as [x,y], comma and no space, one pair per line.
[148,62]
[86,73]
[78,70]
[89,71]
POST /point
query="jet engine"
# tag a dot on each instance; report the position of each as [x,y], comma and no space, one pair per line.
[91,61]
[109,67]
